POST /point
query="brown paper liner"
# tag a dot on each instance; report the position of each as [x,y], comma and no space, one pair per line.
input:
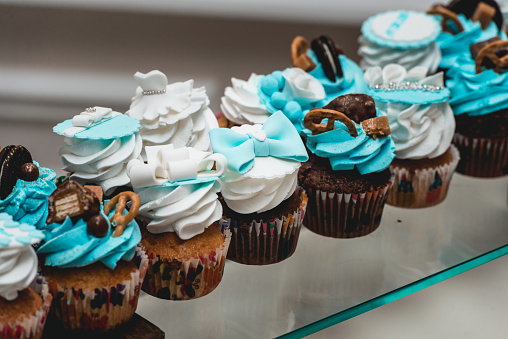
[103,308]
[423,188]
[190,279]
[224,122]
[482,157]
[266,242]
[33,326]
[345,215]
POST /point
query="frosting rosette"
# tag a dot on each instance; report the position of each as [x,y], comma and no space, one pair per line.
[454,44]
[18,261]
[476,94]
[421,121]
[407,38]
[175,113]
[99,144]
[263,163]
[28,201]
[69,244]
[241,103]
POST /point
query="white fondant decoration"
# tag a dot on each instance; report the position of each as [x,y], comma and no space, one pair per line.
[403,26]
[302,85]
[396,73]
[151,81]
[167,164]
[90,117]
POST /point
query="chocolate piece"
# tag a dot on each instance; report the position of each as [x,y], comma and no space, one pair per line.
[70,199]
[491,54]
[11,159]
[484,14]
[97,226]
[475,48]
[327,53]
[468,7]
[29,172]
[357,107]
[376,127]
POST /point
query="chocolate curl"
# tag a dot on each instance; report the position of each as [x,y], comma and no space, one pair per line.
[489,52]
[484,14]
[299,57]
[313,120]
[119,220]
[446,15]
[376,127]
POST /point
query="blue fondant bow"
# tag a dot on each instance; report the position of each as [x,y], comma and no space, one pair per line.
[278,138]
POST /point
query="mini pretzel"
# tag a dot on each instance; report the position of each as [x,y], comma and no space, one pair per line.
[119,220]
[299,57]
[489,52]
[446,15]
[313,120]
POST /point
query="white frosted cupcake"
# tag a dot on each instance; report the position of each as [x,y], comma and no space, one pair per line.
[259,190]
[176,114]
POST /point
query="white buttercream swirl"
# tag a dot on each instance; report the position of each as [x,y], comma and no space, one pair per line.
[241,103]
[187,209]
[373,54]
[265,186]
[179,116]
[101,162]
[18,267]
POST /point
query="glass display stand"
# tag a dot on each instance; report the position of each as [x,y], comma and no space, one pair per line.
[329,280]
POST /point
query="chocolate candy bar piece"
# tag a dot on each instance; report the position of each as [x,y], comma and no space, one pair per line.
[376,127]
[484,14]
[71,199]
[357,107]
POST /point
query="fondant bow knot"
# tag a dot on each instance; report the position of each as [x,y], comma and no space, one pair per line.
[277,138]
[167,164]
[92,115]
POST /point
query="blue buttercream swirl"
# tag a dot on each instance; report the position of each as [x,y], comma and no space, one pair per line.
[351,82]
[453,46]
[28,201]
[345,152]
[476,94]
[69,245]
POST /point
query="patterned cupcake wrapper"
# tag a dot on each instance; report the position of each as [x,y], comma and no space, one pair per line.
[100,309]
[190,279]
[482,157]
[345,215]
[426,187]
[30,327]
[266,242]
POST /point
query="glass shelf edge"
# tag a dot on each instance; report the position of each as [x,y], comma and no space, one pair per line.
[396,294]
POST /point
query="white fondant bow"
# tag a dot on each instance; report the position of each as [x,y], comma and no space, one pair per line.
[167,164]
[90,117]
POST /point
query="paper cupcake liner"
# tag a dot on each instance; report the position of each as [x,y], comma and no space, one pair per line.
[224,122]
[264,242]
[345,215]
[423,188]
[99,309]
[190,279]
[33,326]
[482,157]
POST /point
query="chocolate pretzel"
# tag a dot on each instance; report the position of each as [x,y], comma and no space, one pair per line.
[327,54]
[446,15]
[15,163]
[299,57]
[119,201]
[492,52]
[468,8]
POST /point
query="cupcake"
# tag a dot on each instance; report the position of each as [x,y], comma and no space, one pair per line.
[325,61]
[24,186]
[459,31]
[90,258]
[292,91]
[176,114]
[479,99]
[401,37]
[422,127]
[99,144]
[179,213]
[259,189]
[347,177]
[23,309]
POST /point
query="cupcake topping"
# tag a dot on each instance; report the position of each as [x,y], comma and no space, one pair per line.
[447,15]
[12,161]
[71,199]
[496,52]
[119,221]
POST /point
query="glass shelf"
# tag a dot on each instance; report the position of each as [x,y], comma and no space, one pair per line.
[329,280]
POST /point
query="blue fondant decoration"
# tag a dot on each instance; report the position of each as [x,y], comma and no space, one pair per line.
[116,127]
[415,97]
[14,234]
[282,141]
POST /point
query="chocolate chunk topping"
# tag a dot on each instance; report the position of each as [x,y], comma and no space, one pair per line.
[376,127]
[468,7]
[327,54]
[71,199]
[97,226]
[484,14]
[29,172]
[11,159]
[357,107]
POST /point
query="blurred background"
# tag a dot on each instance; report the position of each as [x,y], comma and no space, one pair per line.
[58,57]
